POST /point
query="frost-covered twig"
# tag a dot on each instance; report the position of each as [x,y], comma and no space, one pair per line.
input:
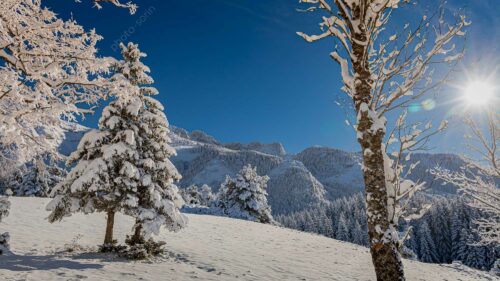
[131,6]
[478,181]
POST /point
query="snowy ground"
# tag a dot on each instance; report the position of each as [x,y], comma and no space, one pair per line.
[211,248]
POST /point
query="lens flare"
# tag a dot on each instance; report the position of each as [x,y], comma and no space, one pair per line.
[414,107]
[429,104]
[478,93]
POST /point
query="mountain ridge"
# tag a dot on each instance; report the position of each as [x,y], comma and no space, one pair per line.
[297,181]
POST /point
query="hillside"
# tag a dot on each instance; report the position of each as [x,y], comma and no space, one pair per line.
[210,248]
[297,181]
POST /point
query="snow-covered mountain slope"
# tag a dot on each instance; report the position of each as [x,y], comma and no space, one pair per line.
[297,181]
[339,171]
[210,248]
[291,186]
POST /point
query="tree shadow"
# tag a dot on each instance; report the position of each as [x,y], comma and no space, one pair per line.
[48,262]
[103,257]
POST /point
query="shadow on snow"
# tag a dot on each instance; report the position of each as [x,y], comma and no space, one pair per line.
[49,262]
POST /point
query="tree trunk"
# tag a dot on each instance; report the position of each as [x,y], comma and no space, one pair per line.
[108,238]
[385,255]
[137,237]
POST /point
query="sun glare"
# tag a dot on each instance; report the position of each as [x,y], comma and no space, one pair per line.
[478,93]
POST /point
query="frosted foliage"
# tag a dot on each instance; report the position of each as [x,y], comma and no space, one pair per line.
[195,196]
[132,7]
[4,207]
[246,197]
[478,180]
[495,270]
[4,212]
[484,194]
[124,166]
[36,178]
[48,69]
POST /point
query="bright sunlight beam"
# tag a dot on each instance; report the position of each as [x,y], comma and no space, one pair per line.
[478,93]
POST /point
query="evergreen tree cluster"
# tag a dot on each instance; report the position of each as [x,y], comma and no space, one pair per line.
[37,177]
[445,234]
[343,219]
[198,196]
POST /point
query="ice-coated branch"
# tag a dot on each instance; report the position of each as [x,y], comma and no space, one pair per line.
[403,140]
[49,74]
[486,142]
[402,70]
[478,181]
[132,7]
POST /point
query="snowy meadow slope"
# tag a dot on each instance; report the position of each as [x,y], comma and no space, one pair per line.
[210,248]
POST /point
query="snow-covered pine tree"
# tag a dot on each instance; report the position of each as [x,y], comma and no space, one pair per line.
[36,178]
[206,196]
[476,255]
[495,270]
[124,165]
[197,196]
[440,225]
[246,197]
[4,212]
[426,245]
[342,232]
[154,200]
[460,223]
[90,185]
[325,224]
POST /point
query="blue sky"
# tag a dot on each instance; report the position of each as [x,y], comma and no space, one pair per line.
[236,69]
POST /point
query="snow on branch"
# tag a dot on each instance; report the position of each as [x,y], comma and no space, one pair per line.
[405,73]
[401,64]
[402,142]
[132,7]
[50,73]
[478,181]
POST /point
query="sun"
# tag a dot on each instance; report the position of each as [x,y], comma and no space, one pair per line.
[478,93]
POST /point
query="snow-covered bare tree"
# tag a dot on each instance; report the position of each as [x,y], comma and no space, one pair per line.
[479,179]
[383,70]
[49,74]
[246,197]
[124,165]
